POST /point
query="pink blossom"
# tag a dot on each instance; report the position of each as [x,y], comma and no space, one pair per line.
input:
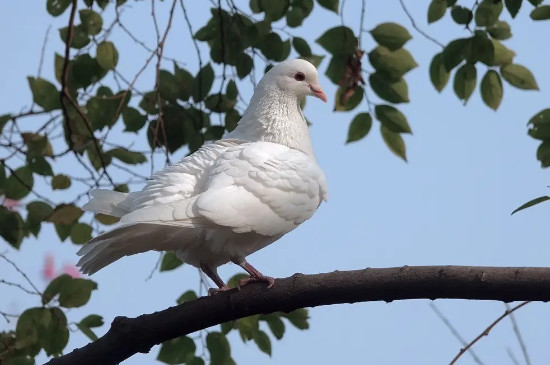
[49,271]
[11,204]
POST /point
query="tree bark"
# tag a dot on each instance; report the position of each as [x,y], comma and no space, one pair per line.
[128,336]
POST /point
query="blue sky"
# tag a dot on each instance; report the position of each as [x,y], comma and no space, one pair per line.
[469,167]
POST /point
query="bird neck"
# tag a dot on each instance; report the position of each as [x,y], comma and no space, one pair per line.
[274,116]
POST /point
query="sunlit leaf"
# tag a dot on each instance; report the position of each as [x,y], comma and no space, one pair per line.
[107,55]
[465,81]
[519,76]
[491,89]
[391,35]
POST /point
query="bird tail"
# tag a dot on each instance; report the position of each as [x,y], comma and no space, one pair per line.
[107,202]
[123,241]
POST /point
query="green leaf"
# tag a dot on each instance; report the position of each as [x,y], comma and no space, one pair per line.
[248,327]
[44,93]
[338,41]
[244,65]
[390,90]
[541,13]
[85,325]
[85,70]
[219,348]
[305,5]
[107,55]
[513,6]
[61,182]
[491,89]
[203,82]
[391,35]
[392,119]
[19,183]
[3,120]
[436,10]
[481,48]
[298,318]
[315,60]
[263,342]
[519,76]
[185,82]
[274,10]
[63,231]
[336,69]
[56,335]
[219,103]
[502,55]
[170,261]
[393,63]
[231,91]
[57,7]
[301,46]
[275,324]
[133,119]
[455,52]
[76,292]
[39,165]
[37,145]
[169,87]
[394,141]
[359,127]
[461,15]
[11,227]
[177,351]
[294,17]
[65,214]
[540,125]
[465,81]
[536,2]
[29,325]
[331,5]
[501,30]
[38,211]
[272,46]
[129,157]
[188,296]
[106,219]
[352,102]
[233,282]
[91,21]
[80,36]
[439,75]
[530,203]
[543,153]
[81,233]
[487,12]
[232,118]
[55,287]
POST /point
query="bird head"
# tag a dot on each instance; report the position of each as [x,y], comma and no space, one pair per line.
[298,77]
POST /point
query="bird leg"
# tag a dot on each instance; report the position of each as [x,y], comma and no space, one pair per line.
[213,275]
[255,275]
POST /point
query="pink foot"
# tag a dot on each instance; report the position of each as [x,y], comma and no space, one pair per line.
[253,279]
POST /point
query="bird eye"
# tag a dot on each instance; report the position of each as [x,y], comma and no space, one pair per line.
[299,76]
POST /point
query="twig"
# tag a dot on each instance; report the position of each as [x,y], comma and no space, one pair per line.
[43,51]
[17,285]
[7,316]
[522,344]
[454,331]
[361,22]
[426,35]
[20,272]
[511,356]
[486,331]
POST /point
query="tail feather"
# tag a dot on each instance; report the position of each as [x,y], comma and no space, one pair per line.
[127,240]
[107,202]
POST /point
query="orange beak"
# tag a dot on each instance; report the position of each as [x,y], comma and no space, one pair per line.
[318,92]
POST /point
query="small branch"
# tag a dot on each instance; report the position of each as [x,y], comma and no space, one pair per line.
[17,285]
[454,331]
[3,256]
[43,52]
[519,336]
[413,23]
[486,331]
[128,336]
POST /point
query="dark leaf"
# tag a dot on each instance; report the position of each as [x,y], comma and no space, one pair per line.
[436,10]
[55,287]
[170,261]
[44,93]
[81,233]
[129,157]
[465,81]
[76,292]
[359,127]
[177,351]
[543,153]
[39,165]
[11,227]
[491,89]
[38,211]
[91,21]
[530,203]
[391,35]
[455,52]
[19,184]
[294,17]
[65,214]
[338,41]
[187,297]
[540,125]
[513,6]
[275,324]
[487,12]
[107,55]
[244,65]
[203,82]
[80,36]
[57,7]
[86,70]
[541,13]
[219,348]
[263,342]
[106,219]
[439,75]
[61,182]
[298,318]
[185,82]
[392,119]
[461,15]
[393,63]
[85,325]
[301,46]
[346,101]
[331,5]
[55,336]
[394,141]
[519,76]
[390,90]
[272,46]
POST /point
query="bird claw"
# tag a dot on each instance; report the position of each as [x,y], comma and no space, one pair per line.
[253,279]
[213,291]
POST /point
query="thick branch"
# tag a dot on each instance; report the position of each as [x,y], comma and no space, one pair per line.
[128,336]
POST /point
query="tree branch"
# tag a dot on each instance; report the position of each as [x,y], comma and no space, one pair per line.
[128,336]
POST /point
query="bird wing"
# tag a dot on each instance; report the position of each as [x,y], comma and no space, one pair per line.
[260,187]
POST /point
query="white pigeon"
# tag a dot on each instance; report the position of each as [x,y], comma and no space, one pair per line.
[231,197]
